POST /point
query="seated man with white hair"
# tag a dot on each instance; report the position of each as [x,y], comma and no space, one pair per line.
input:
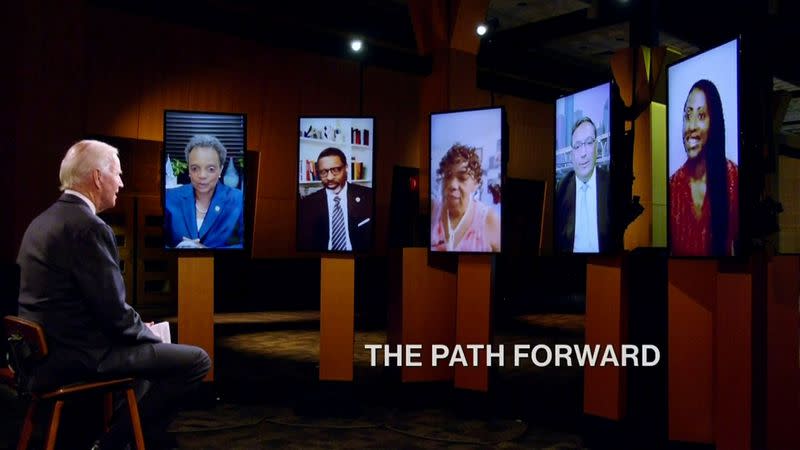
[71,284]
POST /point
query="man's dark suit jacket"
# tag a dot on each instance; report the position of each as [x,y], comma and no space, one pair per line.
[313,229]
[71,284]
[565,212]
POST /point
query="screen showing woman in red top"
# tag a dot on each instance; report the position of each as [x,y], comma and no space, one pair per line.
[703,148]
[704,191]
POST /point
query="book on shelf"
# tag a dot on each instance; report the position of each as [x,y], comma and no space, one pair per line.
[321,141]
[311,171]
[357,170]
[331,134]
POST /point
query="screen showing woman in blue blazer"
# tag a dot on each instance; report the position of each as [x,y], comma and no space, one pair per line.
[205,213]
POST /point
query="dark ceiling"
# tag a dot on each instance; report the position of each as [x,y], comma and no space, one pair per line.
[572,45]
[540,49]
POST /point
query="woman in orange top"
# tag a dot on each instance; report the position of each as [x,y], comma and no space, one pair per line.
[704,192]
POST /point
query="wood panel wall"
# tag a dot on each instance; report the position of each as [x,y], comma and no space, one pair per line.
[789,196]
[692,292]
[640,232]
[47,104]
[272,86]
[90,70]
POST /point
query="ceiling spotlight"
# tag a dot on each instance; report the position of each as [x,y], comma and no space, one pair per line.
[487,27]
[356,45]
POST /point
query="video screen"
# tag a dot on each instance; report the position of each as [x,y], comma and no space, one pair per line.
[582,210]
[203,180]
[335,195]
[703,153]
[466,181]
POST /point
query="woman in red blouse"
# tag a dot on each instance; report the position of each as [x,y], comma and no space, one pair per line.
[704,192]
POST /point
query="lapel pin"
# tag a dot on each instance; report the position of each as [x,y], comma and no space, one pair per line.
[358,199]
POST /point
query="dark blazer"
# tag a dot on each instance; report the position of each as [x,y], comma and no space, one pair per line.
[71,284]
[313,230]
[223,226]
[565,212]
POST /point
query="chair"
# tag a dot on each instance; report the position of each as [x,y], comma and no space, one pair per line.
[27,342]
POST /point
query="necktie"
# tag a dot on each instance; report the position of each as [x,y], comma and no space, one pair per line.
[337,228]
[584,225]
[585,206]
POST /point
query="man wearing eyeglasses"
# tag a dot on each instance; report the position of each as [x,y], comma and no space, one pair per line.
[338,217]
[582,196]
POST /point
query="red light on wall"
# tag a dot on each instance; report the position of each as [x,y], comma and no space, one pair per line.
[413,183]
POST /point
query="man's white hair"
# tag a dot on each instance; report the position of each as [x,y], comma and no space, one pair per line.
[82,159]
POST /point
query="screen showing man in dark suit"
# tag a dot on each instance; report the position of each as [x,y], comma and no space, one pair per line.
[582,177]
[337,217]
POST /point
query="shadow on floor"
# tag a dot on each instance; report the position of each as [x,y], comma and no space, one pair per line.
[267,395]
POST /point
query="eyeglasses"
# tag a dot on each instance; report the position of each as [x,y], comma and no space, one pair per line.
[333,170]
[587,143]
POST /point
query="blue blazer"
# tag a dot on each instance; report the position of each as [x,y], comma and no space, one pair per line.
[223,226]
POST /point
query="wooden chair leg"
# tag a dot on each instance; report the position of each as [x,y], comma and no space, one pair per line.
[133,407]
[52,433]
[108,410]
[27,427]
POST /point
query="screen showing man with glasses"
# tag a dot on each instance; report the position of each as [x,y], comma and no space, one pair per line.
[337,217]
[582,196]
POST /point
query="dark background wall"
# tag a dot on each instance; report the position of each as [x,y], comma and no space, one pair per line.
[81,70]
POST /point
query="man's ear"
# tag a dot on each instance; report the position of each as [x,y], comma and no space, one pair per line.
[96,178]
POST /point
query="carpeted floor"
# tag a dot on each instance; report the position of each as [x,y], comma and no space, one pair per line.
[267,395]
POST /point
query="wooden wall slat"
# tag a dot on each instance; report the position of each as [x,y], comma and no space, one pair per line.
[51,99]
[640,232]
[336,335]
[692,294]
[428,311]
[531,150]
[130,82]
[605,387]
[733,382]
[788,189]
[473,310]
[196,304]
[783,370]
